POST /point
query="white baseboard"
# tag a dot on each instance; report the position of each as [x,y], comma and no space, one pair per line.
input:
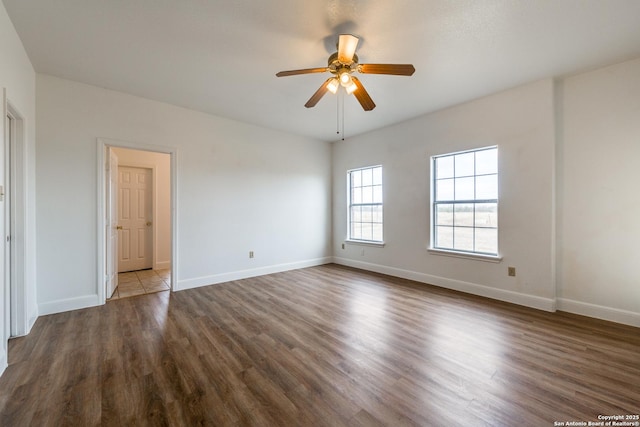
[586,309]
[245,274]
[533,301]
[68,304]
[599,312]
[31,322]
[162,265]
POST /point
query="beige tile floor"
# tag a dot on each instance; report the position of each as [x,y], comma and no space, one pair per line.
[141,282]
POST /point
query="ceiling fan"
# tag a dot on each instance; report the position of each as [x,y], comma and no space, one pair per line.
[342,64]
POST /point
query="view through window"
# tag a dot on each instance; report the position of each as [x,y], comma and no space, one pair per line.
[465,201]
[365,204]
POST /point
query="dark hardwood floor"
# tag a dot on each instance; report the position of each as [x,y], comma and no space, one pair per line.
[323,346]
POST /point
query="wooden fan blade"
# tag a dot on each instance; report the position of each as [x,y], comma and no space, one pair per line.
[393,69]
[347,48]
[362,96]
[319,94]
[303,71]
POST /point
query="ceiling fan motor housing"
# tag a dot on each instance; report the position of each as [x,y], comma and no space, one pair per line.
[337,67]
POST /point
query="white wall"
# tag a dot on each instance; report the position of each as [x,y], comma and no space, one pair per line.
[240,188]
[599,215]
[521,123]
[18,78]
[161,165]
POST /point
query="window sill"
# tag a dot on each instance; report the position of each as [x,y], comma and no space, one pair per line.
[466,255]
[364,243]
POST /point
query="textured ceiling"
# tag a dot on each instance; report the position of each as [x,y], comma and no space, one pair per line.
[221,57]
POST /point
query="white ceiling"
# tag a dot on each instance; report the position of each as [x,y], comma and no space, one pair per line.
[221,57]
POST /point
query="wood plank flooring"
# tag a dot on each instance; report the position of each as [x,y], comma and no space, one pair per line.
[323,346]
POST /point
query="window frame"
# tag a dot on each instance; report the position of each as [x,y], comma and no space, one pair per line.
[470,254]
[350,238]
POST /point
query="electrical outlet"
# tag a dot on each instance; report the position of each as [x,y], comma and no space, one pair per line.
[343,246]
[362,253]
[511,271]
[250,254]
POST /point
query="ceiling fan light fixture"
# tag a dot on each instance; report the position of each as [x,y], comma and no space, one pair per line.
[345,78]
[333,85]
[351,87]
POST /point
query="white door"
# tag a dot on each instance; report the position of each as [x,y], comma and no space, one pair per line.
[5,196]
[134,219]
[112,223]
[4,290]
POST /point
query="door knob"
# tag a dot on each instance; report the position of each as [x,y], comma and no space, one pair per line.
[119,227]
[148,223]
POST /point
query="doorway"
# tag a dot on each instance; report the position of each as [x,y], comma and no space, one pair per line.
[137,218]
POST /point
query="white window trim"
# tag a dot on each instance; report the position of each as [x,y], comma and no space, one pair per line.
[357,241]
[452,252]
[364,242]
[465,255]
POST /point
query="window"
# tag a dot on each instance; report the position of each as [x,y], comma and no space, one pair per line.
[465,202]
[365,204]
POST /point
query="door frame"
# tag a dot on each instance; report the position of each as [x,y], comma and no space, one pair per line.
[103,145]
[15,162]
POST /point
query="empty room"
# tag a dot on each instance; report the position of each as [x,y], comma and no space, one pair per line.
[328,213]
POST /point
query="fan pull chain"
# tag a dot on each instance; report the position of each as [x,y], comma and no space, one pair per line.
[338,114]
[342,116]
